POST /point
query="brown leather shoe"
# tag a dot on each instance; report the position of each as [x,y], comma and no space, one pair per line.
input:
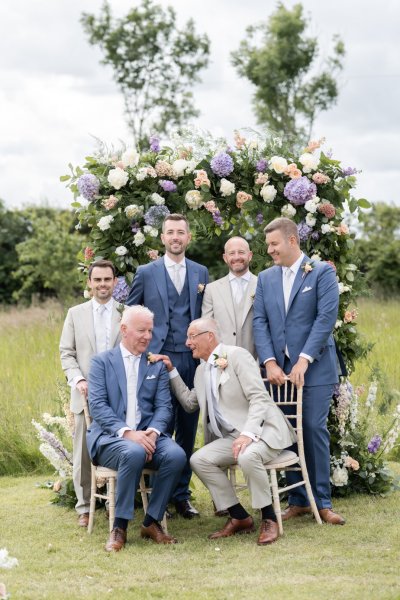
[83,520]
[295,511]
[328,516]
[269,532]
[116,541]
[156,533]
[233,526]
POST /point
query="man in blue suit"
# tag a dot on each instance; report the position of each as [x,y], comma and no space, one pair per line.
[295,310]
[172,287]
[130,404]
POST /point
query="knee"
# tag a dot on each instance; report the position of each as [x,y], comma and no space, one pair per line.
[196,461]
[133,456]
[248,461]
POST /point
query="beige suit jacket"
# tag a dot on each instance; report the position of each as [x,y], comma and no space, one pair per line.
[78,345]
[242,397]
[218,304]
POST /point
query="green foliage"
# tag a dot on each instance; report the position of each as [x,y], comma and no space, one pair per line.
[155,64]
[278,59]
[14,228]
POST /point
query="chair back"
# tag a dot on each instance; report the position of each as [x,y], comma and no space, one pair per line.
[289,398]
[88,418]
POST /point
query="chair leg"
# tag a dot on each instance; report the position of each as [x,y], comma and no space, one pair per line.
[92,508]
[111,502]
[275,497]
[310,496]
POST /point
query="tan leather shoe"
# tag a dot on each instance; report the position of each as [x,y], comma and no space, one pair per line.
[328,516]
[83,520]
[156,533]
[233,526]
[269,532]
[116,541]
[295,511]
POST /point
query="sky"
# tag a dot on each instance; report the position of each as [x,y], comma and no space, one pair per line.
[56,96]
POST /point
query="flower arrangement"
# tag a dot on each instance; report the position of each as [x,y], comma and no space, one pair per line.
[220,361]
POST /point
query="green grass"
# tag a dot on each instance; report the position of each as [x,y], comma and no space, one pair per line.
[58,560]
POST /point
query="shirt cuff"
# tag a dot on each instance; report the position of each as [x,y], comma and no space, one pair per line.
[174,373]
[121,431]
[155,430]
[268,359]
[309,358]
[254,437]
[76,380]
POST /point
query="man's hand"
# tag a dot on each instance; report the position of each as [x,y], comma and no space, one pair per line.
[144,439]
[82,387]
[240,445]
[296,375]
[275,375]
[166,360]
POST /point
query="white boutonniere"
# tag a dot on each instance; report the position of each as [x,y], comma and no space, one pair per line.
[200,288]
[307,267]
[220,361]
[150,358]
[252,296]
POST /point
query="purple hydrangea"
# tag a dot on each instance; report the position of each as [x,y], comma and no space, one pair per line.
[298,191]
[261,165]
[259,218]
[349,171]
[167,186]
[88,186]
[154,142]
[315,236]
[218,220]
[156,215]
[135,227]
[304,231]
[121,290]
[374,444]
[222,164]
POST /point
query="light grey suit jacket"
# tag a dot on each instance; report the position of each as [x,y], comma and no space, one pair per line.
[78,345]
[242,397]
[218,304]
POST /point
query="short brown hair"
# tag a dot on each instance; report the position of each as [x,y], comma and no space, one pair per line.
[103,264]
[176,217]
[285,225]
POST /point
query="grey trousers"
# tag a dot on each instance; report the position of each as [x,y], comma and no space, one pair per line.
[81,465]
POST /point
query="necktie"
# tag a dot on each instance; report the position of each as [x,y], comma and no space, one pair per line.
[240,283]
[287,285]
[176,278]
[101,329]
[131,385]
[210,400]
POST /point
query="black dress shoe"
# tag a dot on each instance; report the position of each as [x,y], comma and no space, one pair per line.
[186,510]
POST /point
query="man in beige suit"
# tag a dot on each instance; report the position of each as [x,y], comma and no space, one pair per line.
[89,328]
[241,425]
[229,300]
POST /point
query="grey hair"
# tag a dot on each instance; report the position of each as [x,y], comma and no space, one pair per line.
[132,311]
[208,324]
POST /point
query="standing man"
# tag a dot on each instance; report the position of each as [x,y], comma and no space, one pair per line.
[130,404]
[172,288]
[295,311]
[89,328]
[241,424]
[229,300]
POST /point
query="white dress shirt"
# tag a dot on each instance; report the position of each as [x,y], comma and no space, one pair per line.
[239,285]
[170,266]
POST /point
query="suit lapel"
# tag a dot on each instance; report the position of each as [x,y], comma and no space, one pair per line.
[192,273]
[88,324]
[227,299]
[159,274]
[143,368]
[249,297]
[115,324]
[299,279]
[117,363]
[278,286]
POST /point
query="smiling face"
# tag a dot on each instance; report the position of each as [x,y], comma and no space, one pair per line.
[137,333]
[175,237]
[283,250]
[102,283]
[200,341]
[237,256]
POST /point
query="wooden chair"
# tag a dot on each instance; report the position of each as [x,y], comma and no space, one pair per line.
[108,477]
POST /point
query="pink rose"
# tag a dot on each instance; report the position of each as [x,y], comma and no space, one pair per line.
[201,179]
[327,209]
[293,171]
[110,202]
[88,253]
[241,198]
[342,229]
[320,178]
[152,254]
[351,463]
[261,178]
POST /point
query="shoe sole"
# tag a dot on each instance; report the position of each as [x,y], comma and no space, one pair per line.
[242,531]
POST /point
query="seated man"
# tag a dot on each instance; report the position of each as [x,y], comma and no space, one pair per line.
[241,424]
[130,403]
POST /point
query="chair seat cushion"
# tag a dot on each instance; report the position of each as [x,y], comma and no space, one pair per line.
[105,472]
[284,459]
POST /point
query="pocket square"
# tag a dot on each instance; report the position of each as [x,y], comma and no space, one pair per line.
[306,289]
[150,377]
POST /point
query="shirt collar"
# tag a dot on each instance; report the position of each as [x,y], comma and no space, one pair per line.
[170,263]
[125,352]
[296,265]
[108,304]
[246,276]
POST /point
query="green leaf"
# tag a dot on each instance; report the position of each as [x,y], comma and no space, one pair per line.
[363,203]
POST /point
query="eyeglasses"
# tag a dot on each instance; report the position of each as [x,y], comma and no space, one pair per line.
[194,335]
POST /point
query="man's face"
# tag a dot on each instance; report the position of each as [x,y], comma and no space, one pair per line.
[137,333]
[175,237]
[102,283]
[237,256]
[283,251]
[202,344]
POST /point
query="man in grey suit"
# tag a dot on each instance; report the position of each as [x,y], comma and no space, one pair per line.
[241,425]
[89,328]
[229,300]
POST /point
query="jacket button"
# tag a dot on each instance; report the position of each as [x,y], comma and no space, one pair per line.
[234,333]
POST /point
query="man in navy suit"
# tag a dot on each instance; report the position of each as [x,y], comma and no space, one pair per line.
[295,310]
[172,287]
[130,404]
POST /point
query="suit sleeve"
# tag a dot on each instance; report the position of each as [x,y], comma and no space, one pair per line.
[207,309]
[261,329]
[136,295]
[162,403]
[187,398]
[68,353]
[99,405]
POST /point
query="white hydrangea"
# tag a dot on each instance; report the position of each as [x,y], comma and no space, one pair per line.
[268,193]
[326,228]
[117,178]
[340,476]
[310,220]
[148,229]
[194,199]
[133,210]
[179,167]
[121,250]
[278,163]
[312,204]
[130,157]
[141,174]
[338,324]
[191,165]
[288,211]
[316,256]
[157,199]
[227,188]
[309,161]
[343,288]
[105,222]
[139,239]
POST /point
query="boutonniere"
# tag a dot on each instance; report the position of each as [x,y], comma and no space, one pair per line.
[121,308]
[150,358]
[220,361]
[252,296]
[201,287]
[307,267]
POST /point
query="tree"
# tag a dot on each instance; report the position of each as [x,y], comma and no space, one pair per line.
[288,95]
[155,64]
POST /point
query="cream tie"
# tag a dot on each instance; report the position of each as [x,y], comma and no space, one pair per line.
[210,400]
[240,283]
[177,281]
[131,386]
[287,286]
[101,329]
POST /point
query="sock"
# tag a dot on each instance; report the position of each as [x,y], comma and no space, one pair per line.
[238,512]
[267,512]
[120,523]
[148,520]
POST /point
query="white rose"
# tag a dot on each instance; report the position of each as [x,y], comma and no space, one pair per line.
[105,222]
[268,192]
[340,476]
[309,161]
[141,174]
[150,230]
[121,250]
[157,199]
[288,211]
[310,220]
[326,228]
[227,188]
[179,166]
[194,199]
[87,294]
[316,256]
[278,163]
[139,239]
[117,178]
[338,324]
[343,288]
[130,158]
[133,210]
[311,205]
